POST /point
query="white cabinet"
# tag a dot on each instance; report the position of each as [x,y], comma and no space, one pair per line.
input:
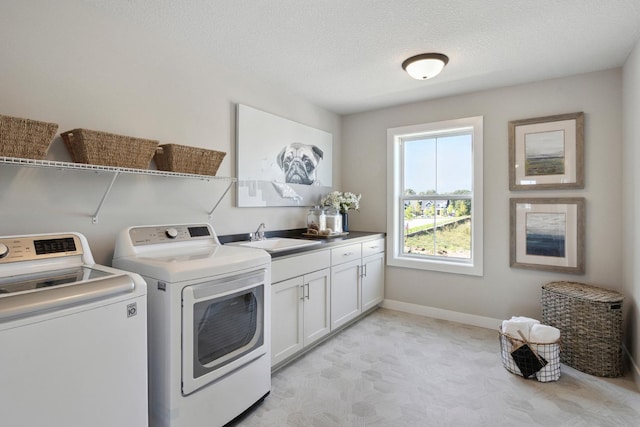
[300,305]
[315,293]
[357,280]
[316,296]
[372,274]
[286,319]
[345,293]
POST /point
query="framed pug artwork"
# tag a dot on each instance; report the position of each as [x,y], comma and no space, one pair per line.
[280,162]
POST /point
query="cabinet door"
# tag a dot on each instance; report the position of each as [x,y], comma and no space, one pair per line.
[372,281]
[286,319]
[317,294]
[345,293]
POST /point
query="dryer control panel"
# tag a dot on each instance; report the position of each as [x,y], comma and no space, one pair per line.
[169,234]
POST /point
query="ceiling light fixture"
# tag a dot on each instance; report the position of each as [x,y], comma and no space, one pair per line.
[425,66]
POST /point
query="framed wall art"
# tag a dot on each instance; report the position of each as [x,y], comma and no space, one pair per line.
[547,152]
[547,234]
[280,162]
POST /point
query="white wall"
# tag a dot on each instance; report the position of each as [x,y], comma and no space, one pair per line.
[502,291]
[70,63]
[631,199]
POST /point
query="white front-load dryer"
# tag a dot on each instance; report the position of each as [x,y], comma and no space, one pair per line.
[209,322]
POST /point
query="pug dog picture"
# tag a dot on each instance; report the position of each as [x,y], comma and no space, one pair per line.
[299,162]
[280,162]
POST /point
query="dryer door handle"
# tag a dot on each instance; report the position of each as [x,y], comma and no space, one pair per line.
[224,286]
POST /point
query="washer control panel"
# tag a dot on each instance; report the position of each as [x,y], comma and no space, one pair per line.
[13,249]
[169,234]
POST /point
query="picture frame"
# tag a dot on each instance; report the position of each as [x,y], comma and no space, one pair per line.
[280,162]
[548,234]
[547,153]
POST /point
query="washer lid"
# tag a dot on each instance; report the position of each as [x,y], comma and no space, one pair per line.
[48,292]
[188,263]
[47,279]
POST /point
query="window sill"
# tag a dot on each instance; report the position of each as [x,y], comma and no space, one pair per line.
[436,265]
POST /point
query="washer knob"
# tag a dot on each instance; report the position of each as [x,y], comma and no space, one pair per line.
[171,233]
[4,250]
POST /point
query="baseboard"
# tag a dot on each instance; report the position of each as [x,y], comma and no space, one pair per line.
[438,313]
[633,366]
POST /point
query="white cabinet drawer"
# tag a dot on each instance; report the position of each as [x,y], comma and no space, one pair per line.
[373,247]
[286,268]
[346,253]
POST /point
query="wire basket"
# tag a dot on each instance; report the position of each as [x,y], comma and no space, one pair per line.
[549,352]
[25,138]
[185,159]
[108,149]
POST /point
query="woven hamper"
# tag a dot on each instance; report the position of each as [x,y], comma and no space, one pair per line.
[590,322]
[25,138]
[185,159]
[108,149]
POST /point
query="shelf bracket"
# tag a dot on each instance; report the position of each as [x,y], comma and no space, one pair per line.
[94,219]
[220,199]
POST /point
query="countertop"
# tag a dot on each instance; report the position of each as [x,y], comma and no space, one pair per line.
[328,242]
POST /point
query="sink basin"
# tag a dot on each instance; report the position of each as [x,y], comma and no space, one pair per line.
[277,244]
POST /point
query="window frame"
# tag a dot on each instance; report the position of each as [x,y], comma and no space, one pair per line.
[395,198]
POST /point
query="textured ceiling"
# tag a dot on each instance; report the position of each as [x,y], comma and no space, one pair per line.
[346,55]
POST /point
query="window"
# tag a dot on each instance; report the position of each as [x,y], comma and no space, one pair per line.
[435,196]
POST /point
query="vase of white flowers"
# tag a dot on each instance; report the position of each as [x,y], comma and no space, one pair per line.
[343,202]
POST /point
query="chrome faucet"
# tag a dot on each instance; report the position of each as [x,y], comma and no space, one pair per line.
[257,235]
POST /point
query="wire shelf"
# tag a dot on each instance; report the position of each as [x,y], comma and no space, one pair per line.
[116,171]
[97,168]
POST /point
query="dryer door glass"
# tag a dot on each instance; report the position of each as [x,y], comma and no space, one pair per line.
[223,326]
[226,328]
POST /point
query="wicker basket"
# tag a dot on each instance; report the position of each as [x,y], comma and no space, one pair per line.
[25,138]
[184,159]
[590,321]
[549,351]
[107,149]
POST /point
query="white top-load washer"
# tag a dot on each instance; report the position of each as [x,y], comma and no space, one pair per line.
[209,322]
[73,336]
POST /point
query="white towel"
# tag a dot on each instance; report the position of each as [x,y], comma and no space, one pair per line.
[511,328]
[544,334]
[528,320]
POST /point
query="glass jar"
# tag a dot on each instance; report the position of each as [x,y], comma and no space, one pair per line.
[334,220]
[316,219]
